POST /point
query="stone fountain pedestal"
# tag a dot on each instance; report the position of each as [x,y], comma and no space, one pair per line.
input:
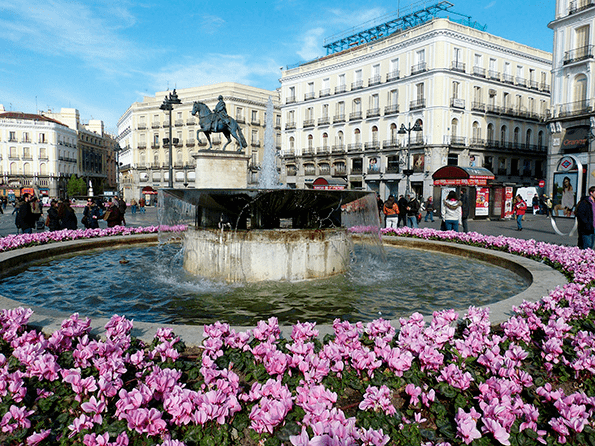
[218,169]
[265,255]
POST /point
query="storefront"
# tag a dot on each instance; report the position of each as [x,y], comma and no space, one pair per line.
[485,200]
[150,195]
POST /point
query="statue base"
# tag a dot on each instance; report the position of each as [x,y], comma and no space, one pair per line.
[217,169]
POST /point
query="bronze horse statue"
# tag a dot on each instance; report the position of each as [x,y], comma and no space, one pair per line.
[210,124]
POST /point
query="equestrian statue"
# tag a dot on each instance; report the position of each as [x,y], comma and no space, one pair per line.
[217,121]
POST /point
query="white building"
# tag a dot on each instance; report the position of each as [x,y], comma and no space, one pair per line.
[143,127]
[480,100]
[36,152]
[573,90]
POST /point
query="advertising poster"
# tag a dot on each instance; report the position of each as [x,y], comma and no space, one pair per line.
[508,202]
[482,202]
[564,199]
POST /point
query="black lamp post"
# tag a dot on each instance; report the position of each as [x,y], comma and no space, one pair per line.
[168,104]
[409,171]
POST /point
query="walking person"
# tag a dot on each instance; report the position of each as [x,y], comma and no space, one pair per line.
[25,219]
[391,212]
[53,221]
[519,209]
[133,206]
[452,212]
[585,216]
[141,205]
[464,209]
[429,210]
[67,216]
[121,203]
[412,211]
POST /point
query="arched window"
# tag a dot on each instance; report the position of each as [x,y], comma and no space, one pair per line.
[454,127]
[340,138]
[490,132]
[27,169]
[580,91]
[357,137]
[393,132]
[516,136]
[292,143]
[143,158]
[43,169]
[325,139]
[374,134]
[540,139]
[13,168]
[503,131]
[179,157]
[476,132]
[310,141]
[156,158]
[419,136]
[528,137]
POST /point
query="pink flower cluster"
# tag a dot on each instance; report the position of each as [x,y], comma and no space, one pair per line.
[500,383]
[15,241]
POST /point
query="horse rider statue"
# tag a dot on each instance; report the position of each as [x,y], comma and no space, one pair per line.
[220,112]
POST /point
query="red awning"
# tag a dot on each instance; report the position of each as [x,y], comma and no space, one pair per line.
[148,190]
[462,176]
[329,183]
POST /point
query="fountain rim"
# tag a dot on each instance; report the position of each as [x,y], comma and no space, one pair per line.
[542,279]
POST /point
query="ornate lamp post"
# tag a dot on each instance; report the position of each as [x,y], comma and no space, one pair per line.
[168,104]
[409,171]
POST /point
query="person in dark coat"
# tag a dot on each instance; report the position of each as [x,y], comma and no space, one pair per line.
[402,203]
[464,199]
[91,215]
[114,217]
[53,219]
[412,211]
[585,216]
[25,219]
[67,216]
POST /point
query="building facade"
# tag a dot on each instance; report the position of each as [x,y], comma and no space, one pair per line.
[144,155]
[95,150]
[573,90]
[36,152]
[480,100]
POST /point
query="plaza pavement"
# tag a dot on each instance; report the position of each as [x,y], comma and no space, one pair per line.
[537,227]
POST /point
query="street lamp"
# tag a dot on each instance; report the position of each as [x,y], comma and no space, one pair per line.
[409,171]
[168,104]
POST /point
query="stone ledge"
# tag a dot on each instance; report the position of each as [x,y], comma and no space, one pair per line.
[542,280]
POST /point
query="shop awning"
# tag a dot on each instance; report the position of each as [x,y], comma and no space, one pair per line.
[576,138]
[462,176]
[148,190]
[329,183]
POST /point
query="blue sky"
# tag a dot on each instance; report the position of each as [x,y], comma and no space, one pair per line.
[100,56]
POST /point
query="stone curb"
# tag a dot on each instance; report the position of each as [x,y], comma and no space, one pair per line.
[541,277]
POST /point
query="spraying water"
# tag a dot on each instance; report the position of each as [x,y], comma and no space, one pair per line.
[269,176]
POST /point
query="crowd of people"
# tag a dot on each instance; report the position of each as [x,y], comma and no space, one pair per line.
[29,214]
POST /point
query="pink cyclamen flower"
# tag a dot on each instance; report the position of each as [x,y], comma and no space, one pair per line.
[467,425]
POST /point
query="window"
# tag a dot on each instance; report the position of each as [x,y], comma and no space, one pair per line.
[255,116]
[457,55]
[292,143]
[375,134]
[477,60]
[476,131]
[357,137]
[42,153]
[12,136]
[394,69]
[310,141]
[42,137]
[580,90]
[477,95]
[393,97]
[325,110]
[341,79]
[456,86]
[582,38]
[325,139]
[516,135]
[26,137]
[156,139]
[503,135]
[374,102]
[240,113]
[528,137]
[490,132]
[420,57]
[255,137]
[454,127]
[493,65]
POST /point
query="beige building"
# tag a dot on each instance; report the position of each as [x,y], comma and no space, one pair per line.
[479,99]
[573,90]
[142,128]
[36,152]
[95,159]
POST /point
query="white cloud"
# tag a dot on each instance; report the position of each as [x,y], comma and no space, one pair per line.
[491,4]
[210,24]
[311,44]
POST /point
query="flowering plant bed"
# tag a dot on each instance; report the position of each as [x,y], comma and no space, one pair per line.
[11,242]
[527,381]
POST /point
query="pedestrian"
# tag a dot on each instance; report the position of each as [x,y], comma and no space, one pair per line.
[429,209]
[535,204]
[133,206]
[36,210]
[141,205]
[585,216]
[548,206]
[53,221]
[519,208]
[452,212]
[380,205]
[464,209]
[412,211]
[25,219]
[67,216]
[112,215]
[402,203]
[391,212]
[121,203]
[91,215]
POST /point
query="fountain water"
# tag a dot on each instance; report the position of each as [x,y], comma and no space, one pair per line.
[269,176]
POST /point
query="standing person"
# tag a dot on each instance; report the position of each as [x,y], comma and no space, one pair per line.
[53,221]
[141,204]
[585,216]
[133,206]
[452,212]
[380,205]
[67,216]
[25,218]
[535,204]
[464,209]
[429,210]
[121,203]
[36,210]
[112,215]
[412,211]
[391,211]
[86,211]
[402,203]
[91,215]
[519,208]
[548,205]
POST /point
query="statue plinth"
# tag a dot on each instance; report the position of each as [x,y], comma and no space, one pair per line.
[217,169]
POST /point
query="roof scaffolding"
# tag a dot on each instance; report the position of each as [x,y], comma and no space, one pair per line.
[392,26]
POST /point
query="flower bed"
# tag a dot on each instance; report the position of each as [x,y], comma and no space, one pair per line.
[17,241]
[453,381]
